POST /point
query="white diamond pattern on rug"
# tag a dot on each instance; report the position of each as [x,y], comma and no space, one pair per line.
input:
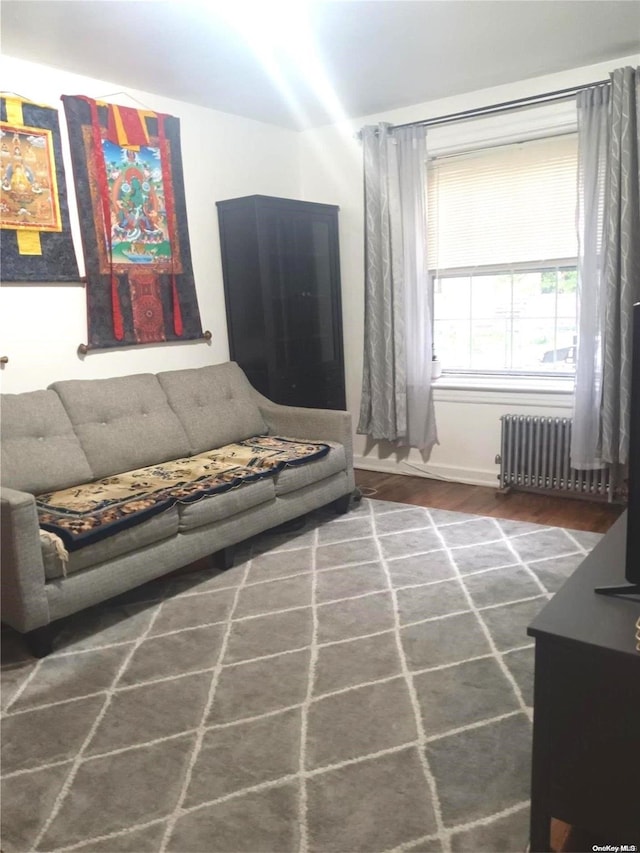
[281,594]
[417,603]
[256,687]
[363,683]
[355,723]
[337,584]
[495,756]
[470,532]
[500,586]
[487,692]
[152,711]
[128,788]
[249,753]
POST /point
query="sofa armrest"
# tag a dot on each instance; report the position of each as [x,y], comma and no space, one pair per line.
[24,601]
[310,424]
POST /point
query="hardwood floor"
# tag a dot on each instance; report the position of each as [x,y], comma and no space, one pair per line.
[573,513]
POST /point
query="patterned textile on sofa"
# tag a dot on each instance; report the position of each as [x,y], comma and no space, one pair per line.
[87,513]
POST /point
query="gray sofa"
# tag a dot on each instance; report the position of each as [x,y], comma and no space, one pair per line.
[79,431]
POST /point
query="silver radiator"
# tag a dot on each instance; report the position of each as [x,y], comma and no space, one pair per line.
[534,455]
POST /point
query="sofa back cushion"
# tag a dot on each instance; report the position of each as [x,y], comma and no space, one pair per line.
[122,423]
[40,450]
[215,404]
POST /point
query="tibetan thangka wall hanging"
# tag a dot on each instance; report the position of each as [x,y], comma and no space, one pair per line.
[133,220]
[35,237]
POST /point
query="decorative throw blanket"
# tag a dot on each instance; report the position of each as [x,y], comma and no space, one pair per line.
[88,513]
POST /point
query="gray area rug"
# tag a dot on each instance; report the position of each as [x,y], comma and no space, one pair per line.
[362,684]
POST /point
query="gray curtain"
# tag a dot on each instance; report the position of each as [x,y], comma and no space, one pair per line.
[609,279]
[622,261]
[397,401]
[593,145]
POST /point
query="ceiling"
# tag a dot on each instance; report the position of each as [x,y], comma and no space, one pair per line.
[302,64]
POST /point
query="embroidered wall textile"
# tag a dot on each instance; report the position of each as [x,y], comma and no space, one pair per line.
[35,237]
[133,220]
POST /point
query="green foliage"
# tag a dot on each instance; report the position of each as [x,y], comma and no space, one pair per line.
[567,281]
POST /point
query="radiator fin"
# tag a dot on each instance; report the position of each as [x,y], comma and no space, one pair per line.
[534,455]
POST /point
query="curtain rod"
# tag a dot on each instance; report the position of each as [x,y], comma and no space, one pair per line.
[533,100]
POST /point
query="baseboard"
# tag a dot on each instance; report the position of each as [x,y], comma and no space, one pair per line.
[431,470]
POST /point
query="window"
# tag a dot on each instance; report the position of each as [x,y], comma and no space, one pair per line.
[502,253]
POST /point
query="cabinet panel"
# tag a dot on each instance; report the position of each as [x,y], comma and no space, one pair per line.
[244,302]
[285,284]
[303,386]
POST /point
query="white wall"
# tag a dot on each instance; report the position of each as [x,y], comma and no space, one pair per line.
[331,171]
[224,156]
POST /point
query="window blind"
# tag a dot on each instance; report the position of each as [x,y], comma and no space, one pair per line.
[513,204]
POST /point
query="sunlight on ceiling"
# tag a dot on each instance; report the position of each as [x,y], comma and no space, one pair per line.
[280,35]
[300,64]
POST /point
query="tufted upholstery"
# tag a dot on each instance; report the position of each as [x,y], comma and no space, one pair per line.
[122,423]
[83,430]
[40,451]
[215,405]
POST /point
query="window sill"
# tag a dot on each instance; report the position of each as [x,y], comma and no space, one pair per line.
[512,384]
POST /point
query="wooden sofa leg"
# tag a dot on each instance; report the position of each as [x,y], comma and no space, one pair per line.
[223,559]
[40,641]
[341,505]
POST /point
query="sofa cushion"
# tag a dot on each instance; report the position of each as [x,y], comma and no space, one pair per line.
[216,507]
[40,450]
[299,476]
[215,404]
[153,530]
[122,423]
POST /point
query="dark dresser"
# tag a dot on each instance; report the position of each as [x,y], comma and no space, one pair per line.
[586,736]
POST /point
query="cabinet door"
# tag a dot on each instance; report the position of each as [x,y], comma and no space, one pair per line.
[249,344]
[303,285]
[321,388]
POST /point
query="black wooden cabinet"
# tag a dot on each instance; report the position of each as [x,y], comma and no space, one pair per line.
[281,267]
[586,732]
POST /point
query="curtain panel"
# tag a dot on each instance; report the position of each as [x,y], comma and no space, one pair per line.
[608,267]
[622,262]
[593,142]
[397,400]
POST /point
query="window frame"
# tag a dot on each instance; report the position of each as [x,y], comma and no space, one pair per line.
[519,126]
[501,269]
